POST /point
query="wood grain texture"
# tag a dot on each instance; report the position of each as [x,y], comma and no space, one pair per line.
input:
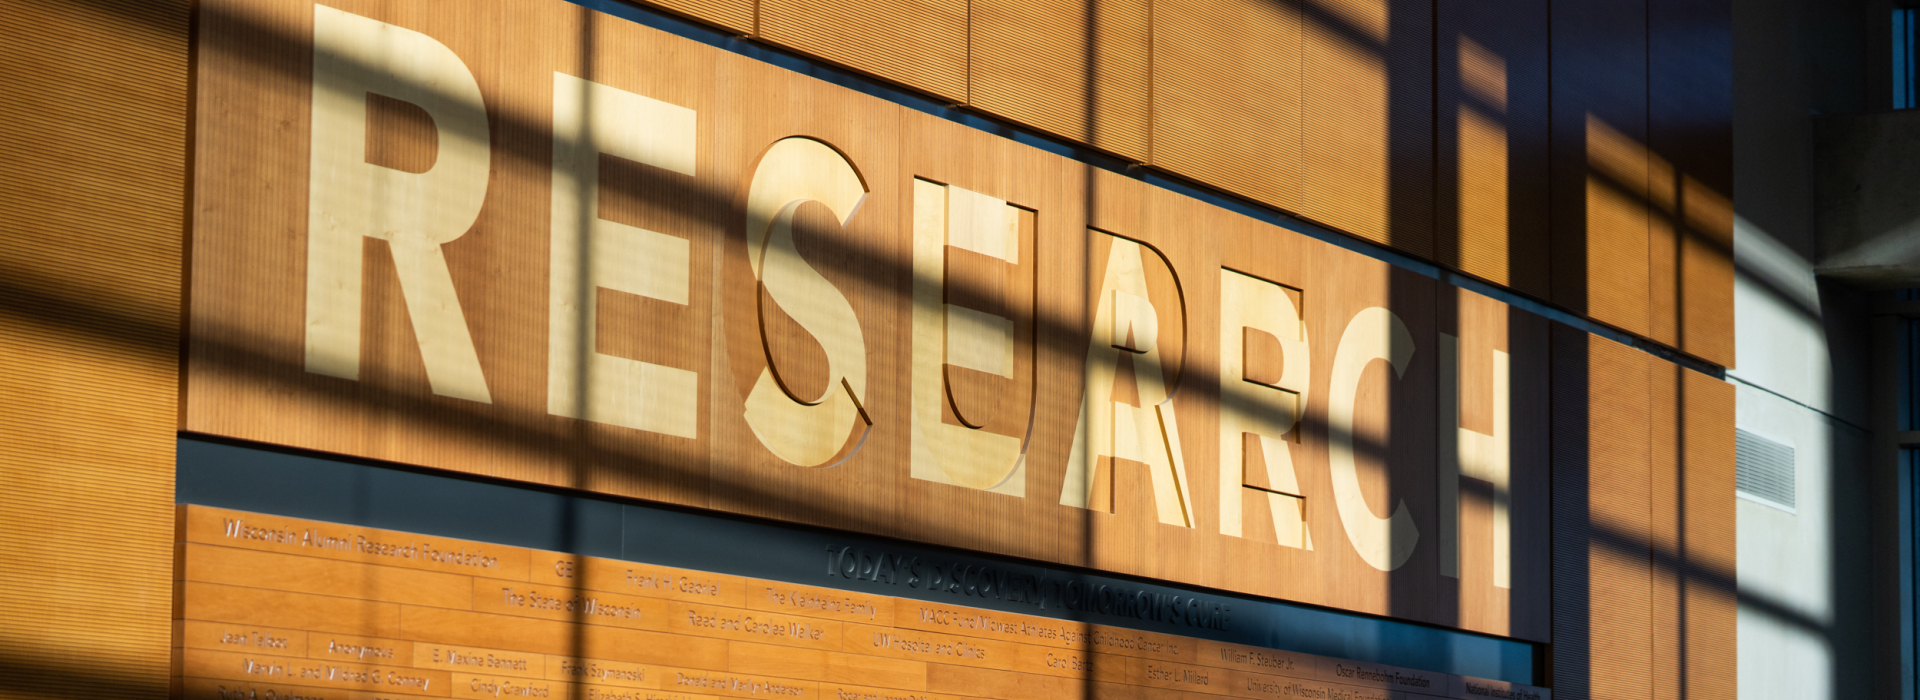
[994,392]
[255,607]
[1393,432]
[1690,127]
[1226,95]
[281,535]
[737,16]
[860,258]
[392,376]
[1712,604]
[197,634]
[1644,601]
[1127,431]
[562,639]
[1160,517]
[1262,405]
[234,666]
[977,224]
[1289,261]
[1367,120]
[1486,328]
[1693,536]
[1076,68]
[1492,135]
[400,135]
[615,610]
[302,575]
[1668,530]
[1603,614]
[92,209]
[1601,162]
[922,44]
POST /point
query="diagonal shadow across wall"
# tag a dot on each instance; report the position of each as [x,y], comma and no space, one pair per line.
[54,303]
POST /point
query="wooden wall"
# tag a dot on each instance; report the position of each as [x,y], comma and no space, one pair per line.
[1643,541]
[1077,68]
[1230,93]
[1376,118]
[922,44]
[417,618]
[1600,162]
[1690,83]
[1492,118]
[1366,114]
[1226,96]
[1169,510]
[92,215]
[1693,535]
[1642,169]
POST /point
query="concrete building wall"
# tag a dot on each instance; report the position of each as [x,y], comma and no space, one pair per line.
[1805,626]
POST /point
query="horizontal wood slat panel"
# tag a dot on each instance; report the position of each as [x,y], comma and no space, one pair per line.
[1226,95]
[1601,161]
[735,15]
[92,200]
[254,630]
[1367,120]
[1076,68]
[1492,134]
[1602,586]
[918,43]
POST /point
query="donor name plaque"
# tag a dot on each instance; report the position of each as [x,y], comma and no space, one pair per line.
[529,241]
[274,607]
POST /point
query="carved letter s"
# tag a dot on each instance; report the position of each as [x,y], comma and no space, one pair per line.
[794,171]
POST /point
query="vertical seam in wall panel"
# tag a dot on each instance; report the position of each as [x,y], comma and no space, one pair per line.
[1654,524]
[1433,135]
[1199,188]
[186,210]
[1152,81]
[1546,672]
[1646,82]
[1553,237]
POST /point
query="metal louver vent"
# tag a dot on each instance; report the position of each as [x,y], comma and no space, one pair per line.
[1764,470]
